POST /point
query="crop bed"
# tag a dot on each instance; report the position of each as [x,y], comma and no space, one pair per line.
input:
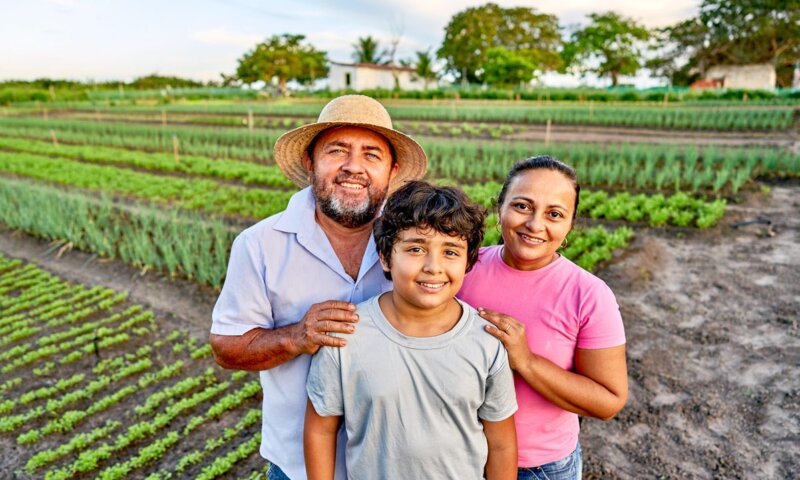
[92,384]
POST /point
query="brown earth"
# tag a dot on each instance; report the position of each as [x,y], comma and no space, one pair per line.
[713,351]
[712,320]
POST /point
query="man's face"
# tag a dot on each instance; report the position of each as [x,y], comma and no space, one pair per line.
[350,173]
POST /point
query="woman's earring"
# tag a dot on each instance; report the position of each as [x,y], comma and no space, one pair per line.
[565,243]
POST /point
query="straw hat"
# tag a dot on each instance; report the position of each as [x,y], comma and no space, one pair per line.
[357,111]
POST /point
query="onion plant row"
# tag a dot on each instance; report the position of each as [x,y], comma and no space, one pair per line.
[659,167]
[736,119]
[179,243]
[193,194]
[246,172]
[223,143]
[641,167]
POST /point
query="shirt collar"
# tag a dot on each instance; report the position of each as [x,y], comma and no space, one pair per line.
[299,218]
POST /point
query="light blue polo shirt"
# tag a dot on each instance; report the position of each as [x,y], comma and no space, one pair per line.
[278,268]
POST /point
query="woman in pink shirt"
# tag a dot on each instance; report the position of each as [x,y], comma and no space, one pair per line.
[560,324]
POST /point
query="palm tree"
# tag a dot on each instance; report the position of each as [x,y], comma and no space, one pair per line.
[367,50]
[425,67]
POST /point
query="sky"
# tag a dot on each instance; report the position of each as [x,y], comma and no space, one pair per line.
[121,40]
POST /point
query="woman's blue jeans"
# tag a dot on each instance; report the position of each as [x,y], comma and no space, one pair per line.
[568,468]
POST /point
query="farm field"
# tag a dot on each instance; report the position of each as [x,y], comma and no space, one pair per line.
[132,207]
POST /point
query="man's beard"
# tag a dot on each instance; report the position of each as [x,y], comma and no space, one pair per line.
[348,214]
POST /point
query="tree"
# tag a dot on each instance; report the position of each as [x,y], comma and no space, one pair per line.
[612,40]
[472,32]
[285,58]
[733,32]
[367,50]
[506,68]
[155,81]
[424,67]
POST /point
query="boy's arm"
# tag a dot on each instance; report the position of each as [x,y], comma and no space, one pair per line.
[502,440]
[319,443]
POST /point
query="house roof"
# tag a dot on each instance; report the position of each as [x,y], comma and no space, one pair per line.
[375,66]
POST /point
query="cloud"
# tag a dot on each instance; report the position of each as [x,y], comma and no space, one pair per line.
[221,36]
[64,3]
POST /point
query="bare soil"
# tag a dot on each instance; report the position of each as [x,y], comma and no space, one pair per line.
[713,351]
[713,326]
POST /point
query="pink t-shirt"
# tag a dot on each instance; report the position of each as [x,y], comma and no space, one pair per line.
[563,307]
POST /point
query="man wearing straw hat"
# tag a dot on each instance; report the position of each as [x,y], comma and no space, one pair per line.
[297,275]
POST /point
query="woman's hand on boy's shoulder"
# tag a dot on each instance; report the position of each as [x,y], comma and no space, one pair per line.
[511,332]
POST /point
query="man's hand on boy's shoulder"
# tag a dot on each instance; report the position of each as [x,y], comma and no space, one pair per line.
[311,333]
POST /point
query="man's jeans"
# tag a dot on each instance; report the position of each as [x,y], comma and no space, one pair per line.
[568,468]
[275,473]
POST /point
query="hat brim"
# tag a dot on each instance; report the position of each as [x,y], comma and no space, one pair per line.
[292,145]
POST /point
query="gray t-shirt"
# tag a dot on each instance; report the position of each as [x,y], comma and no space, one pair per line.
[412,405]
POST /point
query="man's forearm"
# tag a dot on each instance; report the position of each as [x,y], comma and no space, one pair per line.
[258,349]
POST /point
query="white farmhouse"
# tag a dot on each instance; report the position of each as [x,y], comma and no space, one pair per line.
[364,76]
[761,76]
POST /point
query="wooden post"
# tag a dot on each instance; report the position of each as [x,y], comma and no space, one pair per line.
[97,114]
[744,97]
[52,93]
[175,148]
[53,137]
[547,132]
[44,113]
[250,123]
[666,98]
[163,117]
[121,90]
[108,103]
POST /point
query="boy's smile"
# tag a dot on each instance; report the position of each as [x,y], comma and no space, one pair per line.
[427,268]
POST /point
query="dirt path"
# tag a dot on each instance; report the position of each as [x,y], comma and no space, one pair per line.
[713,325]
[714,349]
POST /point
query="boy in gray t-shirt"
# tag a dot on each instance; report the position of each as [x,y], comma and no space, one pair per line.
[424,391]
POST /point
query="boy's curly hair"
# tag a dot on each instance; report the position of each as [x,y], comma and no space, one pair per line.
[420,204]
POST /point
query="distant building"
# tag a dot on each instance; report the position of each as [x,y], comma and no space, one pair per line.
[758,76]
[364,76]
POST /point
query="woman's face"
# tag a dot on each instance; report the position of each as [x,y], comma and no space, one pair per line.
[535,217]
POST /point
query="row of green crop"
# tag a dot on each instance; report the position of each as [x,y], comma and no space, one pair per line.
[735,119]
[179,243]
[246,172]
[193,194]
[680,209]
[413,127]
[639,166]
[222,143]
[113,419]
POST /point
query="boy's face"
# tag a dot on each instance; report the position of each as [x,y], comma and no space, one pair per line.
[427,267]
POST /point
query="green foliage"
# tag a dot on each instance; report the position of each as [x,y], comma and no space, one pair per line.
[733,32]
[472,32]
[424,67]
[611,39]
[142,236]
[504,68]
[367,50]
[284,57]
